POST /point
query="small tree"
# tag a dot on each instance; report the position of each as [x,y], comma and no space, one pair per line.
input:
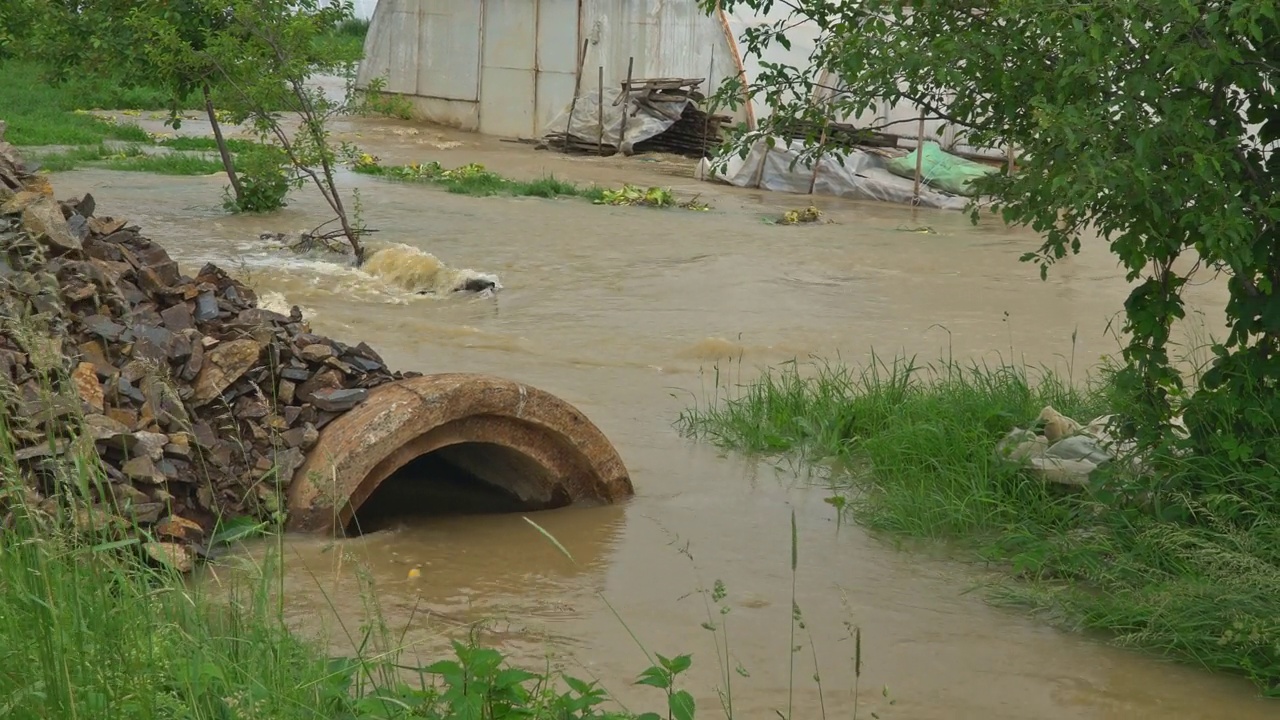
[109,39]
[1151,123]
[263,53]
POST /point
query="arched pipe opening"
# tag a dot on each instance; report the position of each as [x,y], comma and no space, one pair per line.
[453,444]
[463,479]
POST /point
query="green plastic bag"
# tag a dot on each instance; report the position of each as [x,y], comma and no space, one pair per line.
[940,170]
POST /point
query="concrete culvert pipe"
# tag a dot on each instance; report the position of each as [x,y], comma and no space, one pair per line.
[520,449]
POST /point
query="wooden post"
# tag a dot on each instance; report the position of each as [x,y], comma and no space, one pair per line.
[626,102]
[1009,151]
[706,114]
[577,86]
[823,79]
[915,193]
[600,110]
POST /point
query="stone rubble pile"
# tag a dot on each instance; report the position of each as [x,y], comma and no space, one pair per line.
[199,404]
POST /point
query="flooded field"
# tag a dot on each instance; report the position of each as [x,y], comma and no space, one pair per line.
[626,313]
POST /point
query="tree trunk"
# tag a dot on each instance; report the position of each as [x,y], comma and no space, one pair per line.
[227,163]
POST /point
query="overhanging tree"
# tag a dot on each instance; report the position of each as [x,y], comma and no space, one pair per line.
[263,54]
[1148,123]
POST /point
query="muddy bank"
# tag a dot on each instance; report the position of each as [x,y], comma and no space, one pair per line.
[198,404]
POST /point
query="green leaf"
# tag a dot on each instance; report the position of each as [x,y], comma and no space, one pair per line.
[681,705]
[676,665]
[512,676]
[655,677]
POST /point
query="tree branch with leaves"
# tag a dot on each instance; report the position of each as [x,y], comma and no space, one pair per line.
[1149,124]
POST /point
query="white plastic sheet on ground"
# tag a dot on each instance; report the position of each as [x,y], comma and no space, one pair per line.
[862,176]
[648,119]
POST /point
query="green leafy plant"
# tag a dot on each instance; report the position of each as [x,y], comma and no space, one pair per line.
[663,675]
[264,180]
[374,100]
[647,197]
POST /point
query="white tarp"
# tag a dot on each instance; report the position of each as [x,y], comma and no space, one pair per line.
[862,175]
[647,119]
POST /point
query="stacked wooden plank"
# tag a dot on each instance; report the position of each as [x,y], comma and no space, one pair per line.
[694,133]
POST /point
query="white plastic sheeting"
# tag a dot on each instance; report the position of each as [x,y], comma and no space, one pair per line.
[861,176]
[646,119]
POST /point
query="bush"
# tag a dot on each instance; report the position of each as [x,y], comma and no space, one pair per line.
[264,178]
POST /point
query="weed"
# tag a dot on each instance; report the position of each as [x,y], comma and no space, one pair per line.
[376,101]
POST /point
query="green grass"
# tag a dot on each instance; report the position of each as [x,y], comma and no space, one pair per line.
[132,159]
[346,42]
[475,180]
[39,113]
[1195,578]
[183,142]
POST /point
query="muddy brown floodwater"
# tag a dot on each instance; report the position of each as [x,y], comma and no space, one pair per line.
[624,312]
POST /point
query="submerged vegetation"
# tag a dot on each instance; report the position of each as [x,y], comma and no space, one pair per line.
[1188,570]
[132,158]
[474,179]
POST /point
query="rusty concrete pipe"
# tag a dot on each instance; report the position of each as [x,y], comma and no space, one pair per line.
[525,441]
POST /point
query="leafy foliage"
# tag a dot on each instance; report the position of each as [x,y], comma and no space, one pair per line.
[281,35]
[264,180]
[1150,123]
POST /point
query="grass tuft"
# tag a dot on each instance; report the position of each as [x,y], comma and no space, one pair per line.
[132,159]
[1195,578]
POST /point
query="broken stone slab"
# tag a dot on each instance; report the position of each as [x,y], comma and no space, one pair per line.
[303,438]
[103,428]
[223,366]
[171,555]
[85,379]
[146,513]
[179,528]
[106,225]
[338,400]
[103,327]
[150,445]
[93,520]
[43,219]
[178,318]
[79,227]
[43,450]
[142,469]
[317,353]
